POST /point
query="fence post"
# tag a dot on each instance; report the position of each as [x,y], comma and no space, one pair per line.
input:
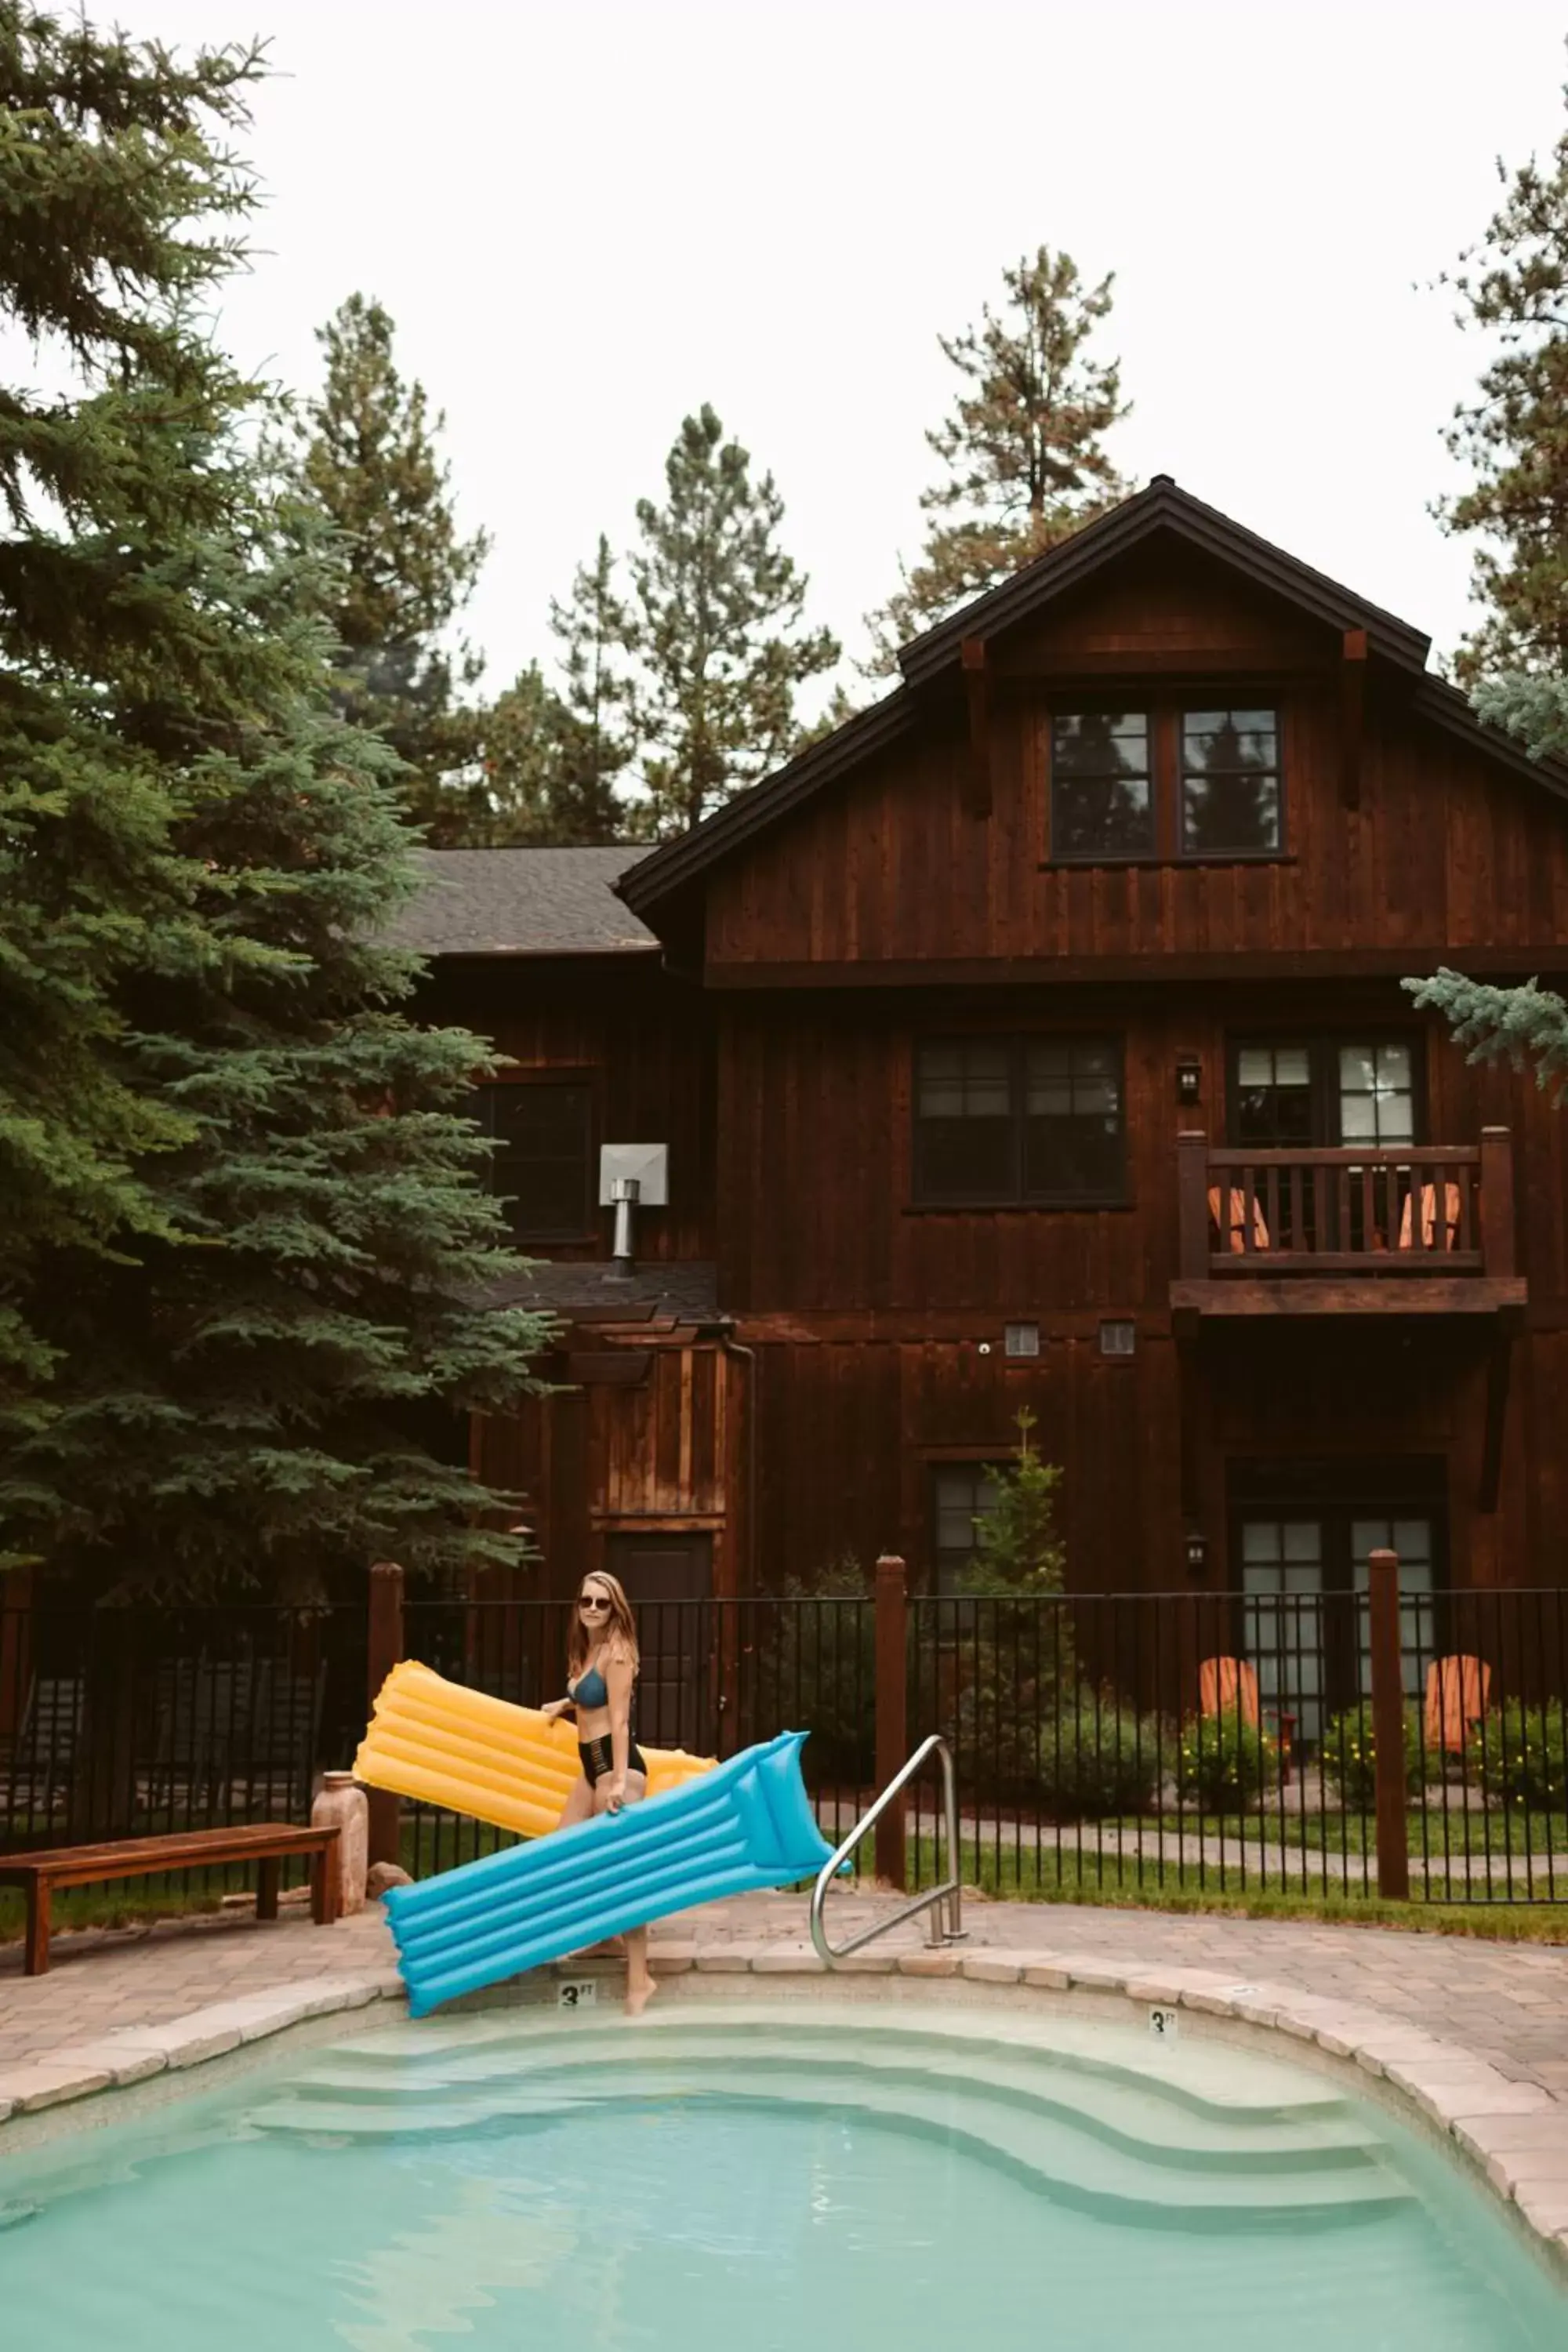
[892,1703]
[1388,1729]
[385,1650]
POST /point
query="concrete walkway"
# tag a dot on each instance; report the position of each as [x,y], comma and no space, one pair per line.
[1474,2035]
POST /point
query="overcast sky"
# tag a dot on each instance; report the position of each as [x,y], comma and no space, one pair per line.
[587,219]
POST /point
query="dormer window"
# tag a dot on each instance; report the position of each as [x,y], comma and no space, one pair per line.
[1168,782]
[1230,784]
[1102,797]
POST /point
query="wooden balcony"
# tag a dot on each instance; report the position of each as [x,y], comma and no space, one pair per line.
[1417,1230]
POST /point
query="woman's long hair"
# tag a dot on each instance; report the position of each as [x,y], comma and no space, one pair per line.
[620,1635]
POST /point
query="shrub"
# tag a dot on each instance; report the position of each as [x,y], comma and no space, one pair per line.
[1517,1756]
[1225,1764]
[1349,1755]
[815,1671]
[1098,1757]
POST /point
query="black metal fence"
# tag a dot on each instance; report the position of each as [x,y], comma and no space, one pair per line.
[715,1676]
[1148,1743]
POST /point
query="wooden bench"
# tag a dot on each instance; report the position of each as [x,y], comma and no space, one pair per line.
[266,1843]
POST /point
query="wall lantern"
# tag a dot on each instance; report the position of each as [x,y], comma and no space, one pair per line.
[1198,1551]
[1189,1078]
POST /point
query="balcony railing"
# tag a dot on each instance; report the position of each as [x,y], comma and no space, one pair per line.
[1437,1210]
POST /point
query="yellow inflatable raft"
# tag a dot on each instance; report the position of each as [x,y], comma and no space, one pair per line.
[460,1748]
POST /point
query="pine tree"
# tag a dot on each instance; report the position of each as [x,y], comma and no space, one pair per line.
[233,1325]
[1022,446]
[595,738]
[365,456]
[508,800]
[1514,286]
[718,630]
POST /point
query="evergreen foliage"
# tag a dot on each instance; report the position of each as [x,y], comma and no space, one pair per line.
[244,1288]
[1514,286]
[1019,1660]
[718,630]
[1527,1026]
[1022,446]
[594,742]
[365,456]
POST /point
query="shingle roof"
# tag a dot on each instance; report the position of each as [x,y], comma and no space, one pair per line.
[493,902]
[591,1288]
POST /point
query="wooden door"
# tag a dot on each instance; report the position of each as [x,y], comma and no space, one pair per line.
[669,1582]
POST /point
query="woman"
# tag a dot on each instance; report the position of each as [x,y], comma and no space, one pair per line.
[601,1673]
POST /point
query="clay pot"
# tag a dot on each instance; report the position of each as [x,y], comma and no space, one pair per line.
[342,1800]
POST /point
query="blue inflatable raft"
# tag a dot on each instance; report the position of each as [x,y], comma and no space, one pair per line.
[746,1825]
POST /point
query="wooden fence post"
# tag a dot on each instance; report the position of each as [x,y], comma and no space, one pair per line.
[385,1650]
[892,1702]
[1388,1730]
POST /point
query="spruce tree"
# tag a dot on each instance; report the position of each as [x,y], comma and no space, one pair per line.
[120,209]
[718,630]
[234,1322]
[1514,288]
[1022,446]
[365,456]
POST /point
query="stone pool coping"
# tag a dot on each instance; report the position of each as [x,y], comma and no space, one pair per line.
[1513,2135]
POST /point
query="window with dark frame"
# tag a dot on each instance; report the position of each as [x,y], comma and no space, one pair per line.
[1230,784]
[542,1166]
[1102,788]
[1032,1121]
[1167,780]
[962,1491]
[1295,1094]
[1294,1562]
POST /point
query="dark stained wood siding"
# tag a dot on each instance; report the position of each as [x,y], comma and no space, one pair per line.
[1445,853]
[646,1039]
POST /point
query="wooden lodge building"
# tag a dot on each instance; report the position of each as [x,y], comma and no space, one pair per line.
[1038,1039]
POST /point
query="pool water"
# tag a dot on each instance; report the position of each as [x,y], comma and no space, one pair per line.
[753,2176]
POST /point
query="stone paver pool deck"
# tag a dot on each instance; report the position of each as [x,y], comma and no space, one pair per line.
[1472,2034]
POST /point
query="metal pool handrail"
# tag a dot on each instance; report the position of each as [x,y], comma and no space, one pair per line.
[948,1893]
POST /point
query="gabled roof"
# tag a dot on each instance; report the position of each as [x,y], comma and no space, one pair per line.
[521,902]
[1162,509]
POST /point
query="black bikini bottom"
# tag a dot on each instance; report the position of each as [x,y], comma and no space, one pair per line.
[598,1761]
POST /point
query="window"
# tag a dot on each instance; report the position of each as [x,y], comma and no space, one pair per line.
[1305,1618]
[1290,1095]
[1231,783]
[1000,1121]
[1102,799]
[542,1165]
[1412,1541]
[1272,1103]
[961,1494]
[1376,1095]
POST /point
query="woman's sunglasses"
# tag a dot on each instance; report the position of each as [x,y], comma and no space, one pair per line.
[593,1600]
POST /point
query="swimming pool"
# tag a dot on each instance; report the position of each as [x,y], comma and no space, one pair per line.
[755,2175]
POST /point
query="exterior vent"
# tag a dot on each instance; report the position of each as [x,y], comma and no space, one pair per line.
[1119,1338]
[1022,1340]
[647,1164]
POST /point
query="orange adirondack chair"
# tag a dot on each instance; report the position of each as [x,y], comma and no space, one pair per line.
[1230,1222]
[1429,1218]
[1457,1690]
[1228,1686]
